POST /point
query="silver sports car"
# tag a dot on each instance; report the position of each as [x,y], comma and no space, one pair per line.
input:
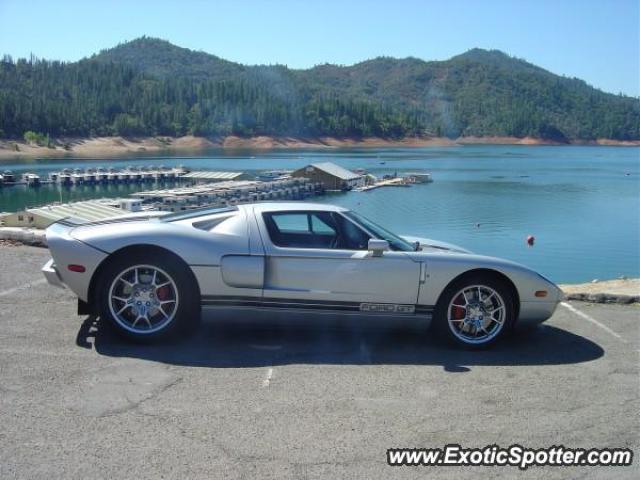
[150,277]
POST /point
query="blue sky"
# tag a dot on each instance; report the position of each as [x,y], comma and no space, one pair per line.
[597,41]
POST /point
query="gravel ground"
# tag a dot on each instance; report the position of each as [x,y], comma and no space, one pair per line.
[263,396]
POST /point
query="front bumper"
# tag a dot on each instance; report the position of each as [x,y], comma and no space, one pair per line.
[533,313]
[51,274]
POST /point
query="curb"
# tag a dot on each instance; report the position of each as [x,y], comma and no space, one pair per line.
[32,237]
[603,298]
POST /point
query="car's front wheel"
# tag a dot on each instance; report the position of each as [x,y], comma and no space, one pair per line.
[148,298]
[475,312]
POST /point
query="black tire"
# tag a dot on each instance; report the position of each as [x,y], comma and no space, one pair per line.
[184,317]
[445,329]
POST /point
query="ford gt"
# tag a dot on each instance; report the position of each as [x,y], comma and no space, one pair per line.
[151,276]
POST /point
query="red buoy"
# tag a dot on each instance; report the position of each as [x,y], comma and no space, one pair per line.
[531,240]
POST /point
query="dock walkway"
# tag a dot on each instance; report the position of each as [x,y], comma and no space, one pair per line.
[392,182]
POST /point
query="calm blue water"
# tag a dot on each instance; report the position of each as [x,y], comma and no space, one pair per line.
[579,202]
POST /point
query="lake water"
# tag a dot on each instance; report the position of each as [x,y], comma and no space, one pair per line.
[581,203]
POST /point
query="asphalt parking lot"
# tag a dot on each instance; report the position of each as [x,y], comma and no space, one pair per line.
[310,398]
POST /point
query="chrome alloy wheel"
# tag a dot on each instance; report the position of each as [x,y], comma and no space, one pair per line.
[143,299]
[476,314]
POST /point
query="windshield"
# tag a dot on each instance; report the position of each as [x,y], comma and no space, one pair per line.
[395,242]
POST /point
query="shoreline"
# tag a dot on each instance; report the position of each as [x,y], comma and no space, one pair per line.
[98,147]
[620,290]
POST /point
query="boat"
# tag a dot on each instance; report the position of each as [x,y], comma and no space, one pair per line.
[77,177]
[102,175]
[90,175]
[146,174]
[64,177]
[419,177]
[112,175]
[8,176]
[134,174]
[31,179]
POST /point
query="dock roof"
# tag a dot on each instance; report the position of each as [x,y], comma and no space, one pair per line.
[89,210]
[205,175]
[336,170]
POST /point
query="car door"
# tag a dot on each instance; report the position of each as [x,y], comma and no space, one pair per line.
[307,260]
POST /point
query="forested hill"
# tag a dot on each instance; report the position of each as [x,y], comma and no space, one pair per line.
[151,87]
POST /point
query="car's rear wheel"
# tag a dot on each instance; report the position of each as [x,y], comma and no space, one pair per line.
[148,298]
[475,312]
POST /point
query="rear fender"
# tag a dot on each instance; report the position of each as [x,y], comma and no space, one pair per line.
[66,251]
[194,246]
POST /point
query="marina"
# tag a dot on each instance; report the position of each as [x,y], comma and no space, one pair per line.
[218,194]
[201,188]
[207,187]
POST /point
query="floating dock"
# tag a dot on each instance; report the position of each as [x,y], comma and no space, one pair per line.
[96,176]
[230,192]
[419,177]
[93,176]
[391,182]
[209,176]
[404,181]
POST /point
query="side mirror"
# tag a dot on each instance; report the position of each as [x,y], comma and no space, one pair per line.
[376,247]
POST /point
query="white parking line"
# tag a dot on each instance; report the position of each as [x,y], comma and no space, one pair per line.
[22,287]
[591,319]
[267,378]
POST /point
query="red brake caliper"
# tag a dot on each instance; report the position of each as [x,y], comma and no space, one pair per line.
[458,313]
[163,293]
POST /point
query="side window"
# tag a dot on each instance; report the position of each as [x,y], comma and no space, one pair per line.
[301,229]
[291,222]
[352,237]
[319,226]
[315,229]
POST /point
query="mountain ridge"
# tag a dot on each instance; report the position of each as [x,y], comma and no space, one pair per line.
[144,43]
[149,86]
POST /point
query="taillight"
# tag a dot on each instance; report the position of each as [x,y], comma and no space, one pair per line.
[77,268]
[541,293]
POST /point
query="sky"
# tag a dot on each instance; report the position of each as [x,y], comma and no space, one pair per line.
[597,41]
